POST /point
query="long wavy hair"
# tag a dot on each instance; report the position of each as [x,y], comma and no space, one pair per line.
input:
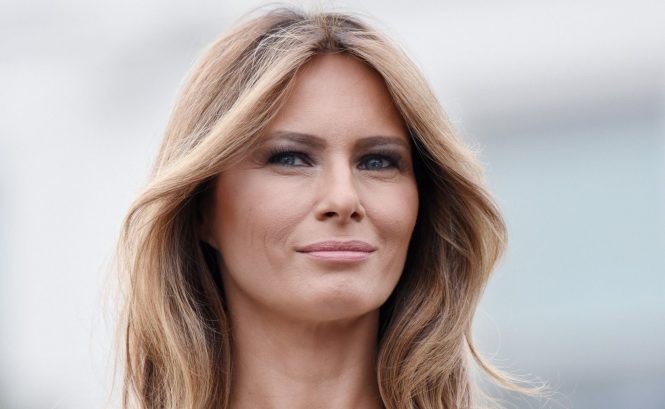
[176,350]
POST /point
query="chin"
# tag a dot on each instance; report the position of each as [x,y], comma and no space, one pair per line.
[341,305]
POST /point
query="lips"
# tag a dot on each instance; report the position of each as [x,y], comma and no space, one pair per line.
[353,245]
[354,250]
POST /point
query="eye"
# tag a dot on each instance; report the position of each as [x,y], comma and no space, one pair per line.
[377,162]
[288,158]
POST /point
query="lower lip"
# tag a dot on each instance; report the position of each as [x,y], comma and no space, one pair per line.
[339,255]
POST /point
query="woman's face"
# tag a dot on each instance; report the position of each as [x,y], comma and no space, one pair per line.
[315,223]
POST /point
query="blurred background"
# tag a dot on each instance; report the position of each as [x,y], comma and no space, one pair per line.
[564,102]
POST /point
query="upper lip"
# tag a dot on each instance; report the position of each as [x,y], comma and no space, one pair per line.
[334,245]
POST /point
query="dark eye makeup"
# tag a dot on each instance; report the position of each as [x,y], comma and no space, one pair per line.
[376,161]
[381,160]
[288,157]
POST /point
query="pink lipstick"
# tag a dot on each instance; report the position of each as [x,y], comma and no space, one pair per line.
[342,251]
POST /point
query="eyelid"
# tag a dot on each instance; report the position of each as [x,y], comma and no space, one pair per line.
[284,151]
[393,157]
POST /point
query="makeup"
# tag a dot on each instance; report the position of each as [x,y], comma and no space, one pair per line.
[340,251]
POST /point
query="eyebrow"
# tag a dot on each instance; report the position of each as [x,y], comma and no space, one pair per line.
[320,143]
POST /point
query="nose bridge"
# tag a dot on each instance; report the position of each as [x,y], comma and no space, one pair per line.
[338,190]
[338,180]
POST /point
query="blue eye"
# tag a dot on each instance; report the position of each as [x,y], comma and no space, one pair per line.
[377,162]
[288,158]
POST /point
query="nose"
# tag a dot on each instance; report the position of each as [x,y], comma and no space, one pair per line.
[338,196]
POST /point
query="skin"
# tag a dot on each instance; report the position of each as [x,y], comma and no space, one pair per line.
[305,329]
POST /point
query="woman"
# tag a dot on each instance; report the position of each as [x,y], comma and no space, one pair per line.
[313,235]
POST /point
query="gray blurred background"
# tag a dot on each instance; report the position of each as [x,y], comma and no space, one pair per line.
[564,101]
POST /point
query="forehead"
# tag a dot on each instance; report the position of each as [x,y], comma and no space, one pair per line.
[336,95]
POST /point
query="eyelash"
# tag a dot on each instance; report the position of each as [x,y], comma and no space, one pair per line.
[278,153]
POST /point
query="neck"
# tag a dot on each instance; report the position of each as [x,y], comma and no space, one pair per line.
[282,363]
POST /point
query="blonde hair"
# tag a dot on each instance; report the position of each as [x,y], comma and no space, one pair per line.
[175,329]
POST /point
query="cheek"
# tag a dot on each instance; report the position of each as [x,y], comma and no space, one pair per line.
[254,212]
[394,211]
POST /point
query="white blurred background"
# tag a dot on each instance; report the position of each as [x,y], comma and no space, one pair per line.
[565,102]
